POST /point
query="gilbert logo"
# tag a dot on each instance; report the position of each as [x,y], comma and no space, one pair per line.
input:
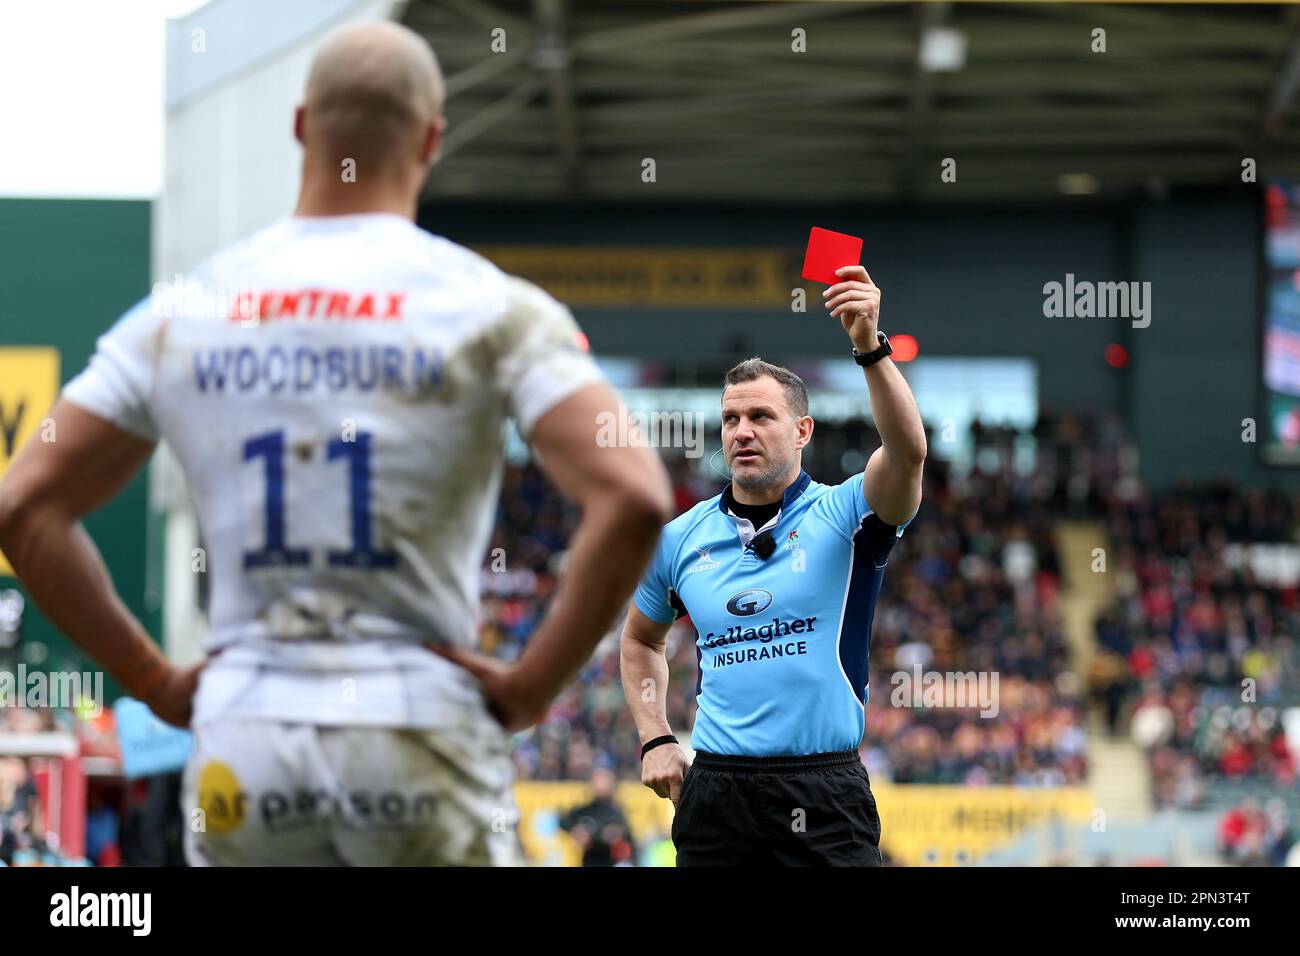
[706,562]
[133,910]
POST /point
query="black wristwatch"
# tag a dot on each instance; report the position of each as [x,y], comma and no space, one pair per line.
[868,359]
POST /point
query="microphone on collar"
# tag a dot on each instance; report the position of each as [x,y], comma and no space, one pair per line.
[763,544]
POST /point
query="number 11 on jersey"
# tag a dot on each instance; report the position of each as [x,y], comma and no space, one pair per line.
[276,551]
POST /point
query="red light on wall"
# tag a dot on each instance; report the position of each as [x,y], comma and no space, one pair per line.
[1116,356]
[905,347]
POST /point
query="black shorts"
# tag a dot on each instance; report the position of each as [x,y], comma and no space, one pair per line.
[777,811]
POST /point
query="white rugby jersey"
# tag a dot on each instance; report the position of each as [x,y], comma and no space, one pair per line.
[336,390]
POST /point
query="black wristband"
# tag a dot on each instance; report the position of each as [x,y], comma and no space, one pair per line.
[868,359]
[657,742]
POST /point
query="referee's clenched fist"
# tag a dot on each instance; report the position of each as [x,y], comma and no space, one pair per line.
[662,769]
[779,575]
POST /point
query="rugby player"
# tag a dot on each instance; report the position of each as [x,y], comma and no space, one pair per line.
[341,424]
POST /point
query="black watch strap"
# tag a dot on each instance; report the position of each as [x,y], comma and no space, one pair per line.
[657,742]
[868,359]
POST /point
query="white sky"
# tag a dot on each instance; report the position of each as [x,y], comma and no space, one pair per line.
[81,96]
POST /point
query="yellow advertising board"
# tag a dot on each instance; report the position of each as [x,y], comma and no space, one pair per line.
[948,826]
[29,384]
[920,825]
[543,803]
[655,277]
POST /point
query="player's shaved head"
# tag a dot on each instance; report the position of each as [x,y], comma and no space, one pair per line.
[373,90]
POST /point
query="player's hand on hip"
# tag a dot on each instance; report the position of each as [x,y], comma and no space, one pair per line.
[172,698]
[515,706]
[663,770]
[855,301]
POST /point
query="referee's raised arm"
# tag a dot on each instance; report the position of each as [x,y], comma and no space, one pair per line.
[892,485]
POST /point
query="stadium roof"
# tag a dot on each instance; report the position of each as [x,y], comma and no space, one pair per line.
[713,92]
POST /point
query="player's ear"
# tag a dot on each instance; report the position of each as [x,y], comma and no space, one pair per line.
[298,125]
[431,149]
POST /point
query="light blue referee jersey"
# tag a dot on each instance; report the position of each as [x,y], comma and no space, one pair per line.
[783,643]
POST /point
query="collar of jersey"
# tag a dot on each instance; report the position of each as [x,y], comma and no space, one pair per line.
[794,491]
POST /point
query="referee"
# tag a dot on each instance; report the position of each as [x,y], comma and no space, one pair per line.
[779,574]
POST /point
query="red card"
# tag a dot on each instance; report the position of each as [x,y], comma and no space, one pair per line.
[828,251]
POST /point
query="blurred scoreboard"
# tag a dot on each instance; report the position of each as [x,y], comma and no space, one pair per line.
[1280,429]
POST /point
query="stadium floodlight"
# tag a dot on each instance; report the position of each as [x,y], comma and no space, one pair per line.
[943,50]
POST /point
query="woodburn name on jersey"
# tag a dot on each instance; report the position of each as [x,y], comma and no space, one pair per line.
[304,369]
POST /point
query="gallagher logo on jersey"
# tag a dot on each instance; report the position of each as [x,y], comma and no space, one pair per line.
[750,601]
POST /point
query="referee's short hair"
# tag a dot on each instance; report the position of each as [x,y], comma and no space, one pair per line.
[796,392]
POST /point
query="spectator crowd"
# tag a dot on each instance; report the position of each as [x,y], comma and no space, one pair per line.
[1203,628]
